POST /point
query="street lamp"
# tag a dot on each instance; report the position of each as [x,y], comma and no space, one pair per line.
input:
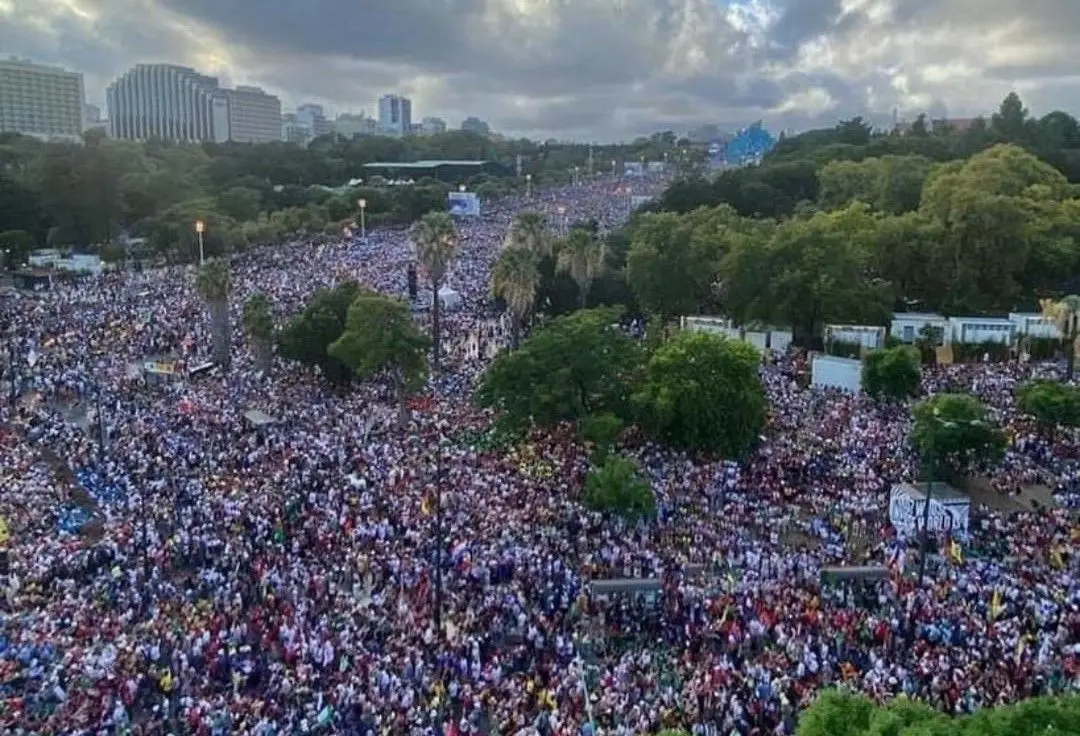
[200,226]
[577,176]
[362,204]
[528,186]
[461,188]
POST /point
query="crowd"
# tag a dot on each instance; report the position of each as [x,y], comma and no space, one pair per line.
[227,578]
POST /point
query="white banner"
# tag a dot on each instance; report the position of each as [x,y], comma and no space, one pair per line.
[906,513]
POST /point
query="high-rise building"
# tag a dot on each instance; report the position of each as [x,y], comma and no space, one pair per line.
[314,118]
[475,125]
[433,126]
[348,125]
[92,119]
[41,101]
[395,115]
[294,130]
[254,116]
[167,102]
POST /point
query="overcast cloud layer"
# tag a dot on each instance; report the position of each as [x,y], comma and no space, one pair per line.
[585,69]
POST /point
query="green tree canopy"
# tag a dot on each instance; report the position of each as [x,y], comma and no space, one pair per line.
[577,365]
[703,392]
[1053,404]
[955,432]
[380,337]
[893,373]
[617,487]
[836,713]
[308,335]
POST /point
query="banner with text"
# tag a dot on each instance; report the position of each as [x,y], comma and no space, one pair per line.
[463,204]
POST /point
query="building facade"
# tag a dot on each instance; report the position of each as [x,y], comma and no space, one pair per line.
[395,115]
[169,103]
[254,115]
[41,101]
[348,125]
[314,118]
[433,126]
[475,125]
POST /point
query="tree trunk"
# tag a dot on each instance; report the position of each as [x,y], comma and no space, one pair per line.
[264,356]
[436,327]
[219,320]
[584,294]
[1070,349]
[402,397]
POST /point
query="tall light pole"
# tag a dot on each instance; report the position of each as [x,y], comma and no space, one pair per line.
[200,226]
[612,168]
[577,176]
[528,186]
[562,219]
[362,204]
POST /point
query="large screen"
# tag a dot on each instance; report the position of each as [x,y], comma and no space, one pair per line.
[463,204]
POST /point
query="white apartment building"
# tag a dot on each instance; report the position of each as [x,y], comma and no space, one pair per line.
[41,101]
[395,115]
[167,102]
[254,115]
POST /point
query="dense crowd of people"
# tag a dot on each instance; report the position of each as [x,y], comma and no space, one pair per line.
[194,573]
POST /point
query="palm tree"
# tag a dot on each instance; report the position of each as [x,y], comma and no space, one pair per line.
[515,278]
[213,283]
[582,256]
[436,241]
[259,326]
[529,230]
[1065,313]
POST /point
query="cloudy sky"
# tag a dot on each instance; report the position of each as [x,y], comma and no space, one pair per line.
[585,69]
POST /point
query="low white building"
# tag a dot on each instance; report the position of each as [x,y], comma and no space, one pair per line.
[870,337]
[979,330]
[1034,324]
[909,326]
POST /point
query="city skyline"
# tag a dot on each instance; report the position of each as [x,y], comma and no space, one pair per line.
[597,70]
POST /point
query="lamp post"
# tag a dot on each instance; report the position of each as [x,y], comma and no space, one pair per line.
[200,226]
[562,218]
[577,176]
[924,538]
[439,542]
[362,204]
[461,188]
[528,186]
[612,168]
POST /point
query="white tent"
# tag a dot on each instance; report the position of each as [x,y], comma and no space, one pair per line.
[449,299]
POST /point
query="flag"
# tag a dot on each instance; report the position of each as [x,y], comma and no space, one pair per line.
[995,605]
[425,505]
[956,553]
[897,560]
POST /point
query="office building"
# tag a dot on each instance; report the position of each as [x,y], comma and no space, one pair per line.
[41,101]
[294,130]
[254,115]
[92,119]
[348,125]
[433,126]
[169,103]
[314,118]
[395,115]
[475,125]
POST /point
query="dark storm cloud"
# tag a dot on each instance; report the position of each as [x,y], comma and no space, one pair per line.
[594,68]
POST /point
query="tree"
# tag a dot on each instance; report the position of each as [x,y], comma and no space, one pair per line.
[436,241]
[308,335]
[703,392]
[1052,404]
[666,274]
[955,433]
[837,713]
[601,431]
[577,365]
[213,282]
[529,230]
[617,487]
[582,256]
[893,373]
[1065,314]
[515,277]
[259,326]
[15,246]
[380,337]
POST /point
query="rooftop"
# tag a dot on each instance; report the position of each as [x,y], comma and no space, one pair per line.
[421,164]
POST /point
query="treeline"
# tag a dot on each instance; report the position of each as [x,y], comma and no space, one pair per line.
[822,239]
[83,195]
[789,181]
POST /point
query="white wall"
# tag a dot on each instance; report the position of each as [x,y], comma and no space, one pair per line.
[779,340]
[758,339]
[827,371]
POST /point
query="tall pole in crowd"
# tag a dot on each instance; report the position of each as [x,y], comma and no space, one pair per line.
[199,227]
[362,204]
[439,544]
[528,186]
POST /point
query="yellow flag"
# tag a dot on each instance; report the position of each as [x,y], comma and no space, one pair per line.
[995,605]
[5,534]
[956,552]
[425,506]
